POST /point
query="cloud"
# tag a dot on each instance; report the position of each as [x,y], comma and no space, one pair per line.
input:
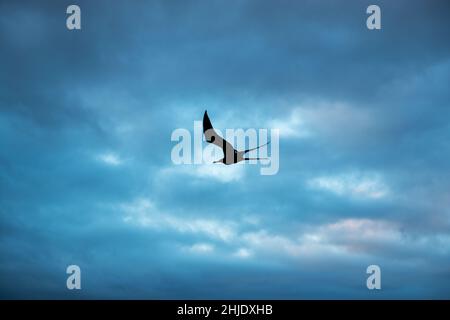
[243,253]
[265,241]
[294,126]
[336,122]
[201,248]
[215,172]
[110,159]
[220,172]
[376,238]
[355,185]
[349,238]
[354,235]
[145,214]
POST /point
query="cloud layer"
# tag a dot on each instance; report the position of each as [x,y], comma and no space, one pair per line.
[86,177]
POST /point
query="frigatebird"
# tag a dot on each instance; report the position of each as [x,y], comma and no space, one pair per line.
[230,155]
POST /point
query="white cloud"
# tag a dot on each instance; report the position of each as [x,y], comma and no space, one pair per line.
[342,238]
[354,235]
[243,253]
[352,184]
[347,236]
[340,122]
[110,159]
[201,248]
[220,172]
[264,241]
[217,171]
[144,213]
[276,245]
[361,229]
[213,228]
[292,126]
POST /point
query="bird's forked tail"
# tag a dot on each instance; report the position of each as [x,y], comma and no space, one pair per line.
[256,159]
[248,150]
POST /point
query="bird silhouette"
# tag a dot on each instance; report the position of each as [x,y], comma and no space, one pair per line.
[230,155]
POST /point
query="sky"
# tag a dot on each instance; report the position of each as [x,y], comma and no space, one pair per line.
[86,176]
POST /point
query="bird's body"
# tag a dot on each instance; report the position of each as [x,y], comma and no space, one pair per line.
[236,157]
[230,155]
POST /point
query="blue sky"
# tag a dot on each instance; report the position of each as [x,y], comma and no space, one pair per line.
[86,176]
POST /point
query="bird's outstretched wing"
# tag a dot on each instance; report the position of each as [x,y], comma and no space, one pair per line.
[212,136]
[248,150]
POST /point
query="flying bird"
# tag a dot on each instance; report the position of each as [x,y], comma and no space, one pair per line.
[230,155]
